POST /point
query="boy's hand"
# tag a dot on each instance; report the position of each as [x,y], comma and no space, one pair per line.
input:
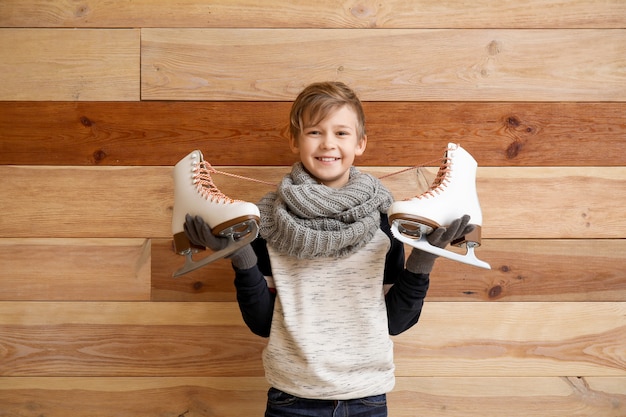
[421,262]
[199,233]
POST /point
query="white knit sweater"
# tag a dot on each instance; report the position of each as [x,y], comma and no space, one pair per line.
[329,336]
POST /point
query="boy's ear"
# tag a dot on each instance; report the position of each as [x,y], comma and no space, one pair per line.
[361,145]
[293,144]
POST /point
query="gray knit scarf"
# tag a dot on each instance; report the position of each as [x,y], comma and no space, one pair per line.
[309,220]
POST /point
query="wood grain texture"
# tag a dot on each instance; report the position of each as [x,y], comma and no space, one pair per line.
[134,397]
[136,202]
[522,270]
[234,397]
[119,269]
[537,339]
[100,99]
[75,269]
[321,14]
[255,133]
[189,339]
[514,397]
[71,65]
[385,65]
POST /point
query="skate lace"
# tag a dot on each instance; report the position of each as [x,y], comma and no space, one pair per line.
[208,188]
[204,183]
[441,180]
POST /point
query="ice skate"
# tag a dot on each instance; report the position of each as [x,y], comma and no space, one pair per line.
[452,194]
[196,194]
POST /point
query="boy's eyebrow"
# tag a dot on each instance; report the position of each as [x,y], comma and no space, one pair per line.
[341,126]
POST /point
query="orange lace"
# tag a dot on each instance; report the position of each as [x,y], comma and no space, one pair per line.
[207,170]
[204,183]
[441,180]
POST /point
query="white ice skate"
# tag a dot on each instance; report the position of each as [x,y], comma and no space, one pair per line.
[452,194]
[196,194]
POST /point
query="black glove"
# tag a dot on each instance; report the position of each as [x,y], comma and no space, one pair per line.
[421,262]
[199,233]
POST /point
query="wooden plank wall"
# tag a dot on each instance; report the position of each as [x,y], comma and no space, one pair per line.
[100,99]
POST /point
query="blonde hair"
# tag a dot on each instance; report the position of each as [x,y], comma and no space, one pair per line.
[317,100]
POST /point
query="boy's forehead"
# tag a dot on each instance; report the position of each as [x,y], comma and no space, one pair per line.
[345,115]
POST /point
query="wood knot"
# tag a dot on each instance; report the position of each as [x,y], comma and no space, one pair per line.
[494,48]
[514,149]
[495,291]
[99,155]
[361,11]
[82,10]
[513,121]
[198,285]
[85,121]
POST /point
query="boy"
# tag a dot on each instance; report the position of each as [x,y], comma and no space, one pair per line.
[313,281]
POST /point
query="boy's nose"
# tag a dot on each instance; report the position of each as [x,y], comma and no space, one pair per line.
[327,142]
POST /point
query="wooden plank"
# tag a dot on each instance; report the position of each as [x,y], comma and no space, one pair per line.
[226,397]
[194,339]
[385,65]
[255,133]
[536,270]
[102,313]
[511,397]
[75,269]
[211,283]
[134,397]
[323,14]
[515,339]
[568,200]
[69,65]
[522,270]
[70,202]
[136,202]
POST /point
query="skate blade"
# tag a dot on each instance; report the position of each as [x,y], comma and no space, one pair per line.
[238,235]
[422,244]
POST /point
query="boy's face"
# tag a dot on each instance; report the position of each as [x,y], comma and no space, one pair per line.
[327,150]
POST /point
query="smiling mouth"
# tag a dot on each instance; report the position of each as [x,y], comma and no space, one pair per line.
[327,159]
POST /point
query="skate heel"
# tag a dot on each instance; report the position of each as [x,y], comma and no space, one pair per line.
[182,245]
[473,237]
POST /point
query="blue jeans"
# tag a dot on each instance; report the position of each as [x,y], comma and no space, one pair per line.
[281,404]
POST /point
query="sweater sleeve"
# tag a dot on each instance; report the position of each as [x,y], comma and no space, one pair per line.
[255,298]
[405,298]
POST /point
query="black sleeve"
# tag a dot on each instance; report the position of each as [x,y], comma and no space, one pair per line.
[256,300]
[405,298]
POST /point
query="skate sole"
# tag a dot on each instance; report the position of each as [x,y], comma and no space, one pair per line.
[422,244]
[410,225]
[235,243]
[238,227]
[241,221]
[412,218]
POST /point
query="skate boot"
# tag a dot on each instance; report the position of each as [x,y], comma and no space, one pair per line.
[452,194]
[196,194]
